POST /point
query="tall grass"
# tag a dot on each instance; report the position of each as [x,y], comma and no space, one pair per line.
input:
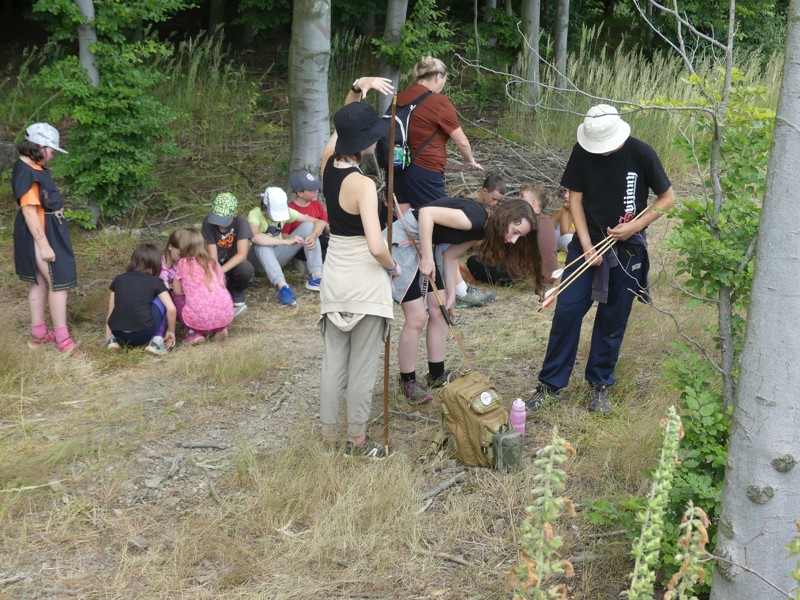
[22,102]
[350,59]
[624,76]
[214,96]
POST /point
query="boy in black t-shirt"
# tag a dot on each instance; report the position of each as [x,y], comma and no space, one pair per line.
[226,234]
[608,175]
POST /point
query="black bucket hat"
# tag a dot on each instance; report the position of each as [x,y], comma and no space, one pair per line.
[358,127]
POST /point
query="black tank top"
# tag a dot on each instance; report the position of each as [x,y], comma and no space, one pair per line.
[342,222]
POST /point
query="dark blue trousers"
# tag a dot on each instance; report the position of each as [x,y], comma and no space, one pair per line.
[625,280]
[158,313]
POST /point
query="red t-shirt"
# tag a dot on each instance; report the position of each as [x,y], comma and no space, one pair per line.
[436,113]
[315,209]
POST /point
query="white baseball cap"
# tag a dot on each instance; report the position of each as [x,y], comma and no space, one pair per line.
[276,203]
[44,134]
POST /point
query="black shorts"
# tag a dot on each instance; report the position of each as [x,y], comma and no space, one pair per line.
[415,290]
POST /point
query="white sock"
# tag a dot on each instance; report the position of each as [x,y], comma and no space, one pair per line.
[461,289]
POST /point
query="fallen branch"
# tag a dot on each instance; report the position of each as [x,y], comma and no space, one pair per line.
[201,446]
[443,486]
[604,534]
[13,579]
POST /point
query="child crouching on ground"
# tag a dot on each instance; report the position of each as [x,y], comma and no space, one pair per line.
[206,307]
[139,307]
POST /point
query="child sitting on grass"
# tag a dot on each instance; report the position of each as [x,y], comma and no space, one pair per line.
[139,307]
[206,307]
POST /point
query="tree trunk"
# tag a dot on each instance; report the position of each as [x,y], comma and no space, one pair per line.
[761,495]
[216,15]
[562,31]
[309,56]
[489,5]
[395,18]
[530,58]
[86,37]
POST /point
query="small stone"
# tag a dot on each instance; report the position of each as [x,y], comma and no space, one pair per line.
[153,482]
[179,404]
[55,486]
[118,512]
[138,542]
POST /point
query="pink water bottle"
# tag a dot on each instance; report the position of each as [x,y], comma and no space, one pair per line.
[517,415]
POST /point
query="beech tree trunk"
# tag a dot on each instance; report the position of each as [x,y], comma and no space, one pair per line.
[395,18]
[562,32]
[86,37]
[530,50]
[309,56]
[761,494]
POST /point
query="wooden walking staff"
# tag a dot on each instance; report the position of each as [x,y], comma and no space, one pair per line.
[389,220]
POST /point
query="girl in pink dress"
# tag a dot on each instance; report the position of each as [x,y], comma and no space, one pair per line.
[207,306]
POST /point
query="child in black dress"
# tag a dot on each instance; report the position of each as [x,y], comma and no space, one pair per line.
[140,307]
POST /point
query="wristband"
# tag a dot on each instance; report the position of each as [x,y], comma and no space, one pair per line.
[393,270]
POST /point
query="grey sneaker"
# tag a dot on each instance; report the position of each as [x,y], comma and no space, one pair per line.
[475,298]
[156,346]
[540,398]
[238,309]
[599,401]
[112,344]
[368,449]
[415,392]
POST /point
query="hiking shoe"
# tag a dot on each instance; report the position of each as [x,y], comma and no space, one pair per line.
[541,397]
[68,346]
[194,337]
[286,296]
[441,380]
[599,402]
[368,449]
[36,342]
[475,298]
[314,283]
[415,392]
[239,309]
[112,344]
[156,346]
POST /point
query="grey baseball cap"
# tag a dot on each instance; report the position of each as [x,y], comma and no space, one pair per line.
[303,180]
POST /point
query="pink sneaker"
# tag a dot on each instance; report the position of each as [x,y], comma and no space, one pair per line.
[194,337]
[68,346]
[37,342]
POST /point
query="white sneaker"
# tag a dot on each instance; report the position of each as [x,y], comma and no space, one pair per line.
[156,346]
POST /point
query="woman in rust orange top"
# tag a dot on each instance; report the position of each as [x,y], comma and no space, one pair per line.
[432,124]
[43,253]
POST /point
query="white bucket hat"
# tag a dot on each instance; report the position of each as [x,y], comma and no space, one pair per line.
[44,134]
[276,203]
[602,130]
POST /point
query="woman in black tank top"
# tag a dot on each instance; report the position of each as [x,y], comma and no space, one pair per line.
[355,298]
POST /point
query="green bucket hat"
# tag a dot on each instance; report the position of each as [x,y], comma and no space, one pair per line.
[223,209]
